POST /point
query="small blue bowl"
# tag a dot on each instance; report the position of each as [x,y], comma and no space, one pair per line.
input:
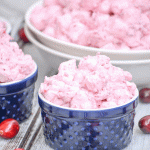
[16,98]
[77,129]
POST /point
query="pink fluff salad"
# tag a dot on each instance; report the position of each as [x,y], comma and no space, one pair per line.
[95,84]
[107,24]
[14,64]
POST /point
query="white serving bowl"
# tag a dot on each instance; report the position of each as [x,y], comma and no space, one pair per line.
[78,50]
[52,59]
[8,25]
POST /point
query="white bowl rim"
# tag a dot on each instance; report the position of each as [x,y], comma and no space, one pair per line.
[8,25]
[85,48]
[102,109]
[60,54]
[12,82]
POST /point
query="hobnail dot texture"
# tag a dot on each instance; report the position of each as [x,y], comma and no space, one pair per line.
[17,105]
[103,134]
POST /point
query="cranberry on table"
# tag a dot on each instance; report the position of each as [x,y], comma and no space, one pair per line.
[144,95]
[19,149]
[22,35]
[9,128]
[144,124]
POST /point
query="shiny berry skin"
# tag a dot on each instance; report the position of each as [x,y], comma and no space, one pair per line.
[144,124]
[144,95]
[9,128]
[19,149]
[22,35]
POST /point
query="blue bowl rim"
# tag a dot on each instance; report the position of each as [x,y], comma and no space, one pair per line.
[15,86]
[40,96]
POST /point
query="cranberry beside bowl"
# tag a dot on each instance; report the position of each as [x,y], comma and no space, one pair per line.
[16,98]
[67,128]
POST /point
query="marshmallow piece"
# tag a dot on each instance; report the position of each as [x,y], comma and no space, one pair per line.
[108,104]
[75,31]
[49,3]
[81,101]
[104,7]
[118,5]
[90,5]
[143,5]
[49,31]
[69,4]
[39,18]
[109,46]
[64,22]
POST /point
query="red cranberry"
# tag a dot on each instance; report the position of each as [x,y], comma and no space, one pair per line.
[144,124]
[22,35]
[144,95]
[9,128]
[19,149]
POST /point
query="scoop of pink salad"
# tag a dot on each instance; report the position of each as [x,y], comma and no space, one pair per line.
[94,84]
[14,64]
[107,24]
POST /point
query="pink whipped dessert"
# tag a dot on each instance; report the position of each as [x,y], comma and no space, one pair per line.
[94,84]
[107,24]
[14,64]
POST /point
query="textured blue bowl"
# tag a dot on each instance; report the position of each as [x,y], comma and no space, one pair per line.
[16,98]
[99,129]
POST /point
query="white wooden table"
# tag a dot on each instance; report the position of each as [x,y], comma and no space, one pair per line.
[30,136]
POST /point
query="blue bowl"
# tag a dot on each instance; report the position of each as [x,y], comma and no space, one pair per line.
[16,98]
[99,129]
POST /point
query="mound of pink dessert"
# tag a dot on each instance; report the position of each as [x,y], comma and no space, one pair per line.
[14,64]
[107,24]
[94,84]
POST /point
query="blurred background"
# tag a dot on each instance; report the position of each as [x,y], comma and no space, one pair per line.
[14,10]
